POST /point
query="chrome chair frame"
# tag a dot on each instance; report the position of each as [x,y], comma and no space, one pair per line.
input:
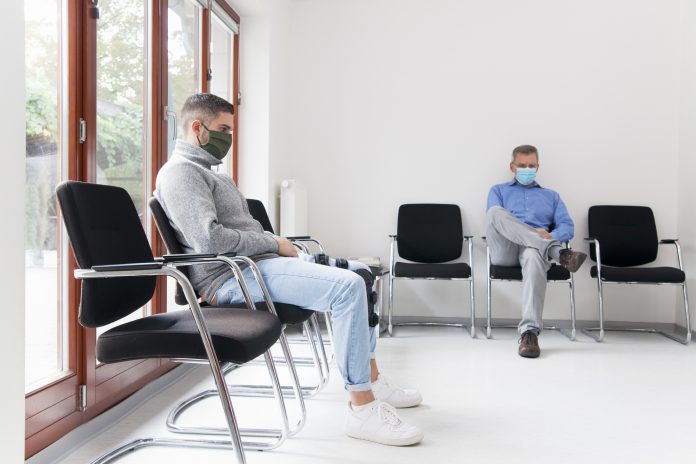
[236,443]
[392,263]
[570,333]
[299,242]
[600,293]
[293,391]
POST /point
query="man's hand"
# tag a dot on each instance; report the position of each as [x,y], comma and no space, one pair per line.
[545,233]
[286,248]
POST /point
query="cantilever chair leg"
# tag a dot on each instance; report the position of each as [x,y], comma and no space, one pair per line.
[572,333]
[597,333]
[233,430]
[600,330]
[293,391]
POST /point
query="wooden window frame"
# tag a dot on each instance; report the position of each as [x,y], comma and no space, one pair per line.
[53,410]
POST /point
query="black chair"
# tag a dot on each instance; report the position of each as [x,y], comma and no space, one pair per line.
[622,237]
[118,273]
[430,237]
[556,274]
[258,212]
[288,315]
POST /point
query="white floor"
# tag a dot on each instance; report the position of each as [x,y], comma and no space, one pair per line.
[627,400]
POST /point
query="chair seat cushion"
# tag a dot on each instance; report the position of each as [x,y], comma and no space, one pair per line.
[646,275]
[287,313]
[515,272]
[239,335]
[438,271]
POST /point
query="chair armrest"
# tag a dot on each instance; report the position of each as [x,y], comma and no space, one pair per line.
[483,237]
[298,242]
[128,267]
[468,237]
[186,256]
[675,242]
[392,236]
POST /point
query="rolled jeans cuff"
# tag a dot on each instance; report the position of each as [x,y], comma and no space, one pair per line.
[358,387]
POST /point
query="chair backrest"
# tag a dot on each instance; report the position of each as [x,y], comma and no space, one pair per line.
[256,209]
[627,234]
[104,228]
[429,233]
[170,241]
[258,212]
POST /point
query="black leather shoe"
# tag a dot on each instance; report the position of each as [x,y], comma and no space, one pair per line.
[571,260]
[529,345]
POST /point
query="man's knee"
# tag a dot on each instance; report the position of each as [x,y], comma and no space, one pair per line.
[494,211]
[531,259]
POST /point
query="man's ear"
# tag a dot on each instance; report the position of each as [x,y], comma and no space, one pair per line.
[512,167]
[196,127]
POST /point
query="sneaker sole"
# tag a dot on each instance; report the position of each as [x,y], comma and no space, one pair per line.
[576,264]
[405,441]
[404,405]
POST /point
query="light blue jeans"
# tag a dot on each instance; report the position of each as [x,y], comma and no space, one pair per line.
[301,282]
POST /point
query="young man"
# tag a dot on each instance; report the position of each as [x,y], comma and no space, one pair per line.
[210,215]
[526,226]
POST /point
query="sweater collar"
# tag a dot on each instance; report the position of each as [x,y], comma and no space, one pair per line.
[195,154]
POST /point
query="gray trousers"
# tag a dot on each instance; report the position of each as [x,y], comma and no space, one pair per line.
[513,243]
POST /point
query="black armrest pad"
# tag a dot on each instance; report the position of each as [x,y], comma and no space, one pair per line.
[392,236]
[483,237]
[669,240]
[128,266]
[186,256]
[468,237]
[589,239]
[299,237]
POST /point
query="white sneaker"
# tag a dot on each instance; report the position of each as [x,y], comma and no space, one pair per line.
[380,423]
[385,390]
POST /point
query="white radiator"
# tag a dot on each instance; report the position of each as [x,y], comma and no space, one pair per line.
[293,208]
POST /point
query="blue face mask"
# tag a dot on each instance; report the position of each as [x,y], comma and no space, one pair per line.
[525,176]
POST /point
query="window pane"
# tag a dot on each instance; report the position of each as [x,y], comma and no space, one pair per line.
[222,67]
[122,92]
[184,57]
[46,327]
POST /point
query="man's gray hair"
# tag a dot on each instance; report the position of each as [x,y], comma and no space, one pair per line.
[525,150]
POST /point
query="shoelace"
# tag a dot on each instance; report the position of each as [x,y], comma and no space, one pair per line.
[388,415]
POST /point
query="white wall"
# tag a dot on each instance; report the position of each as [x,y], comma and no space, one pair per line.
[12,212]
[378,103]
[687,153]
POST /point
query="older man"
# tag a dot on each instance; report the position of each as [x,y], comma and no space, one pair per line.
[526,225]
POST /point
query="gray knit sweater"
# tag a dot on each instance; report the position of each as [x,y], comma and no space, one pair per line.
[209,215]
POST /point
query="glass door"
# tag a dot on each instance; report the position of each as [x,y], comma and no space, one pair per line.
[223,37]
[47,332]
[122,105]
[184,75]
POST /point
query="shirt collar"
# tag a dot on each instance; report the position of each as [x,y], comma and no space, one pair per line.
[514,181]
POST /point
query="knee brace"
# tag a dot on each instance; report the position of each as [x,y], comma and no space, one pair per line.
[372,317]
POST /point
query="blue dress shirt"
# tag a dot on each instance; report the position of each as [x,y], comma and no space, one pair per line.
[535,206]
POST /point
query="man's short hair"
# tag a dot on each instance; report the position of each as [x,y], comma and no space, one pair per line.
[525,150]
[204,107]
